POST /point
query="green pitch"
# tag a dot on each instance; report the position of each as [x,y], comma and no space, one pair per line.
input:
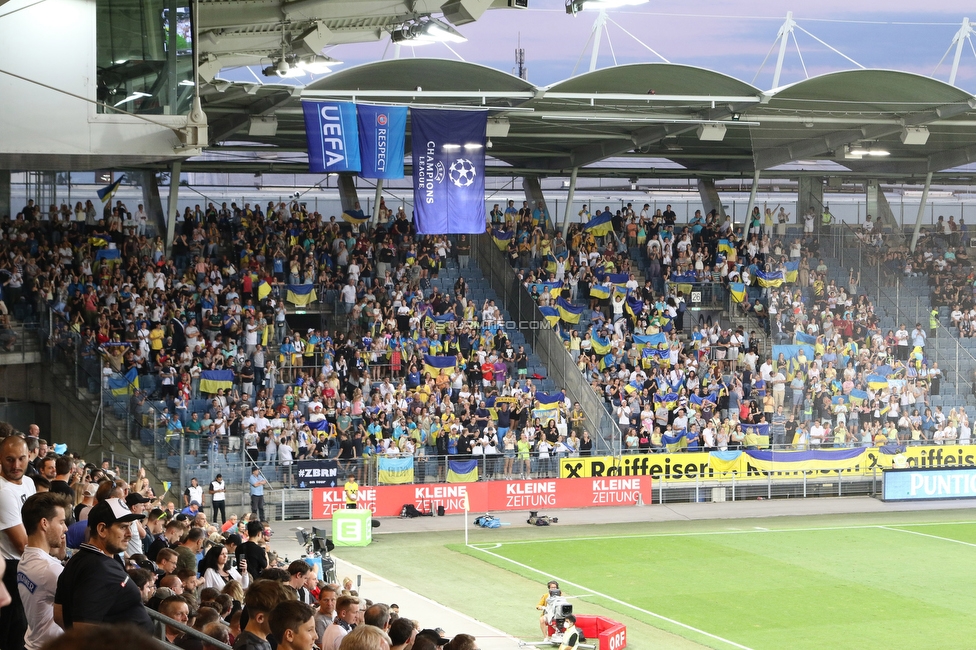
[893,580]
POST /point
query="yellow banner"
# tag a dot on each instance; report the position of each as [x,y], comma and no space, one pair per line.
[705,466]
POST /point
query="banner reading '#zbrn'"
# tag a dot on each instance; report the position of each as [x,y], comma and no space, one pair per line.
[490,496]
[448,170]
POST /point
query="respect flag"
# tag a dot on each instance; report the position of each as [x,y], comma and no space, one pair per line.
[394,470]
[382,130]
[300,295]
[462,471]
[449,170]
[332,133]
[213,380]
[438,365]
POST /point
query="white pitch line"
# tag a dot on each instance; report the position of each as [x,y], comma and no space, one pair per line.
[755,531]
[915,532]
[618,601]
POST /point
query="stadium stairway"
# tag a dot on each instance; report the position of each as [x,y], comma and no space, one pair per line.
[479,291]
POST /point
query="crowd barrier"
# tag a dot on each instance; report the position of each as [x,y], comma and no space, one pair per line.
[694,467]
[493,496]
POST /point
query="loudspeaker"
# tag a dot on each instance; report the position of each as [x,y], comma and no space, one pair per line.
[440,511]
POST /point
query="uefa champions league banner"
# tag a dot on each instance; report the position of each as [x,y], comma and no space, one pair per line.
[382,130]
[332,131]
[449,170]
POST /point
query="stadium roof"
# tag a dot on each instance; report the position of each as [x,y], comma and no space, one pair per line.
[644,113]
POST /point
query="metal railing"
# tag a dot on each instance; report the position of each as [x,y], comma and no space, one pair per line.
[162,621]
[882,282]
[546,343]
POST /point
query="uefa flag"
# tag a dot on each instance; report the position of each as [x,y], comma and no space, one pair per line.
[382,130]
[301,295]
[332,133]
[449,170]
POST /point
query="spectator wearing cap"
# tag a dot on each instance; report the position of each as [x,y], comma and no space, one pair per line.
[94,587]
[137,504]
[191,510]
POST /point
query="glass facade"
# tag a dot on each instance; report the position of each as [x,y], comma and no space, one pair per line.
[145,56]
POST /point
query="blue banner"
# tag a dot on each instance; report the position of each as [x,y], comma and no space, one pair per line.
[382,130]
[332,132]
[449,170]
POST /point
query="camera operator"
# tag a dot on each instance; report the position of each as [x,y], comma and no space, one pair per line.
[553,588]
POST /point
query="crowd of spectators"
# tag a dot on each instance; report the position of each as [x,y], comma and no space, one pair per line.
[705,383]
[82,547]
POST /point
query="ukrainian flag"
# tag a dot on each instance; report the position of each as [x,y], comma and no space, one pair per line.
[600,225]
[600,345]
[774,279]
[437,365]
[634,306]
[545,414]
[213,380]
[122,385]
[108,191]
[554,288]
[551,315]
[599,292]
[725,246]
[738,291]
[670,400]
[502,239]
[858,397]
[545,399]
[301,295]
[652,340]
[805,339]
[675,442]
[877,382]
[792,271]
[462,471]
[98,242]
[633,387]
[394,471]
[264,289]
[567,311]
[355,217]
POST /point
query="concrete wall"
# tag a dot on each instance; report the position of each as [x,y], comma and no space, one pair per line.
[53,43]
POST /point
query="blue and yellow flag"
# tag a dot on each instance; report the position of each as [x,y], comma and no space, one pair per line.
[554,288]
[98,242]
[213,380]
[437,365]
[394,470]
[355,217]
[738,291]
[858,397]
[652,340]
[599,291]
[600,225]
[462,471]
[634,306]
[264,289]
[108,191]
[675,442]
[300,295]
[567,311]
[502,239]
[805,339]
[725,246]
[877,382]
[122,385]
[600,345]
[546,399]
[771,279]
[551,315]
[545,414]
[792,271]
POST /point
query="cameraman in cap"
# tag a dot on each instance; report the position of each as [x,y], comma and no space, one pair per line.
[571,634]
[553,588]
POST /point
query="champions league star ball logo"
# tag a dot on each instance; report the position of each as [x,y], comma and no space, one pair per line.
[462,172]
